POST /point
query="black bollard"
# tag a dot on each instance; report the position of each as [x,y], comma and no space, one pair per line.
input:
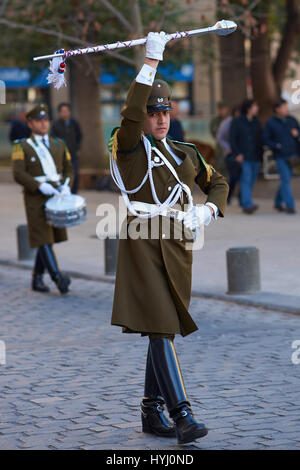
[243,274]
[111,252]
[24,250]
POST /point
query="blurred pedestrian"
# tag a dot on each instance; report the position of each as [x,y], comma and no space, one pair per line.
[281,134]
[222,113]
[245,141]
[234,167]
[68,129]
[176,130]
[19,128]
[215,123]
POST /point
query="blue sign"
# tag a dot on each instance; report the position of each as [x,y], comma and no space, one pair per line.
[15,77]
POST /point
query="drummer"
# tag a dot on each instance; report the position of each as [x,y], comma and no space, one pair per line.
[41,165]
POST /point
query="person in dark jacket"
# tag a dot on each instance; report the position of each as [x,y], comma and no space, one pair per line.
[19,128]
[68,129]
[281,134]
[176,130]
[245,141]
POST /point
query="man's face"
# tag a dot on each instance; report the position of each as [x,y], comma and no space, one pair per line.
[254,109]
[283,110]
[175,110]
[223,111]
[157,124]
[65,113]
[39,126]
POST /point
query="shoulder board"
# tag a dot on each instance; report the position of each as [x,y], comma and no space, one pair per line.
[208,168]
[17,141]
[17,152]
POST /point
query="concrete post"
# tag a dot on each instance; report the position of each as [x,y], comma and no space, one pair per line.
[111,252]
[24,250]
[243,273]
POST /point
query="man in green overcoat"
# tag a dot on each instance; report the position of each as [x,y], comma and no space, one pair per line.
[153,279]
[41,164]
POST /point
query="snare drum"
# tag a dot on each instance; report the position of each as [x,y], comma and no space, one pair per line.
[65,211]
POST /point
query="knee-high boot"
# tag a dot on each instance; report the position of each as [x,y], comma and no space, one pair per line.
[169,378]
[49,260]
[37,275]
[153,419]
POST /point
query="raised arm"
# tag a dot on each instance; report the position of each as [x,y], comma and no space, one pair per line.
[135,110]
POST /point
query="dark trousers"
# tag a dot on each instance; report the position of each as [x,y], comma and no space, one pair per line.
[284,193]
[74,188]
[45,259]
[234,169]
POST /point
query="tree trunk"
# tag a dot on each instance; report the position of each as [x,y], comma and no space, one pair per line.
[87,109]
[233,68]
[263,83]
[289,41]
[136,18]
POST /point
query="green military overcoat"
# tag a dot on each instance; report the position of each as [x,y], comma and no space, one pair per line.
[26,165]
[153,278]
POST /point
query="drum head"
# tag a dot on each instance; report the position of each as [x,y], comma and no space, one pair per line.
[65,211]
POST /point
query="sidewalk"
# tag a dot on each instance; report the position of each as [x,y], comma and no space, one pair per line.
[275,235]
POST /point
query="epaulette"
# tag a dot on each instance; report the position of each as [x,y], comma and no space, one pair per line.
[17,141]
[17,152]
[208,168]
[113,142]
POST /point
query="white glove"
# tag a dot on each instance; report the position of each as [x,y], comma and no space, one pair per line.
[199,215]
[65,190]
[47,189]
[155,45]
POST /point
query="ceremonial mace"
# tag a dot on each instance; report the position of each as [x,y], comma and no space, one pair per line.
[57,64]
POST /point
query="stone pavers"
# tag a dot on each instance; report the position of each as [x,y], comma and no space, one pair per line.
[72,381]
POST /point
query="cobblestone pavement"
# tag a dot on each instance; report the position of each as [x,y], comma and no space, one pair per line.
[72,381]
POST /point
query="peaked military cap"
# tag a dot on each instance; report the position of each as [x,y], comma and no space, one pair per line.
[160,97]
[39,112]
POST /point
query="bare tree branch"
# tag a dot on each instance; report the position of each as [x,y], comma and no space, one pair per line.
[139,54]
[61,36]
[117,14]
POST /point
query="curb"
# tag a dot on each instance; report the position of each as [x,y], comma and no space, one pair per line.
[259,300]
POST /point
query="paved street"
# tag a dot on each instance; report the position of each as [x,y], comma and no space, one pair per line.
[72,381]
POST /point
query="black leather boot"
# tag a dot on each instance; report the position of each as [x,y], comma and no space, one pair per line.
[48,257]
[187,429]
[152,406]
[169,378]
[38,283]
[37,275]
